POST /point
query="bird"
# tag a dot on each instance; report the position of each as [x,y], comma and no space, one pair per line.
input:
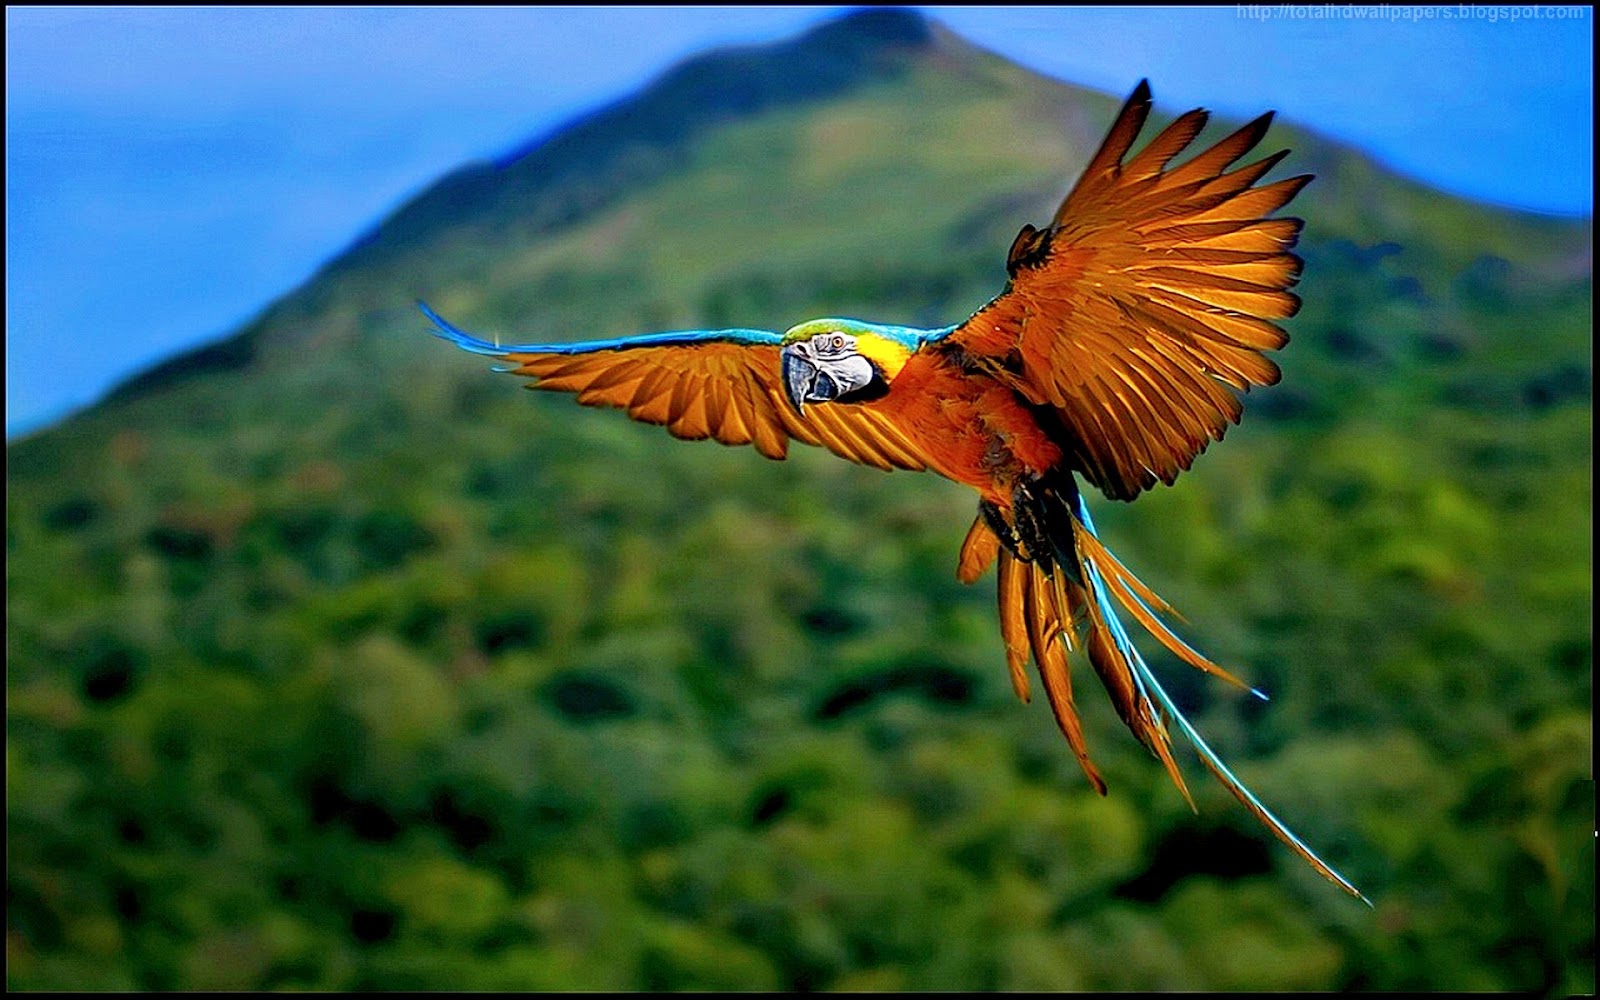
[1128,329]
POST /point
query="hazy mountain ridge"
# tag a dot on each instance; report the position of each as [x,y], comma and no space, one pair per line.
[336,661]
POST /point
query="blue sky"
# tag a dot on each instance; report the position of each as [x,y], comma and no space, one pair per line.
[170,171]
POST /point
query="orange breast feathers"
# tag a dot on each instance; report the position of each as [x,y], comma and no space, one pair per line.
[968,428]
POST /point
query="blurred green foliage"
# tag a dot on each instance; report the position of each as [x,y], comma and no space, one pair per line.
[334,662]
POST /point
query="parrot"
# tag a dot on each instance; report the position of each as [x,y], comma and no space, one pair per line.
[1117,351]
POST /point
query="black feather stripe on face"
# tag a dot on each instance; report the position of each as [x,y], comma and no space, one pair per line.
[876,389]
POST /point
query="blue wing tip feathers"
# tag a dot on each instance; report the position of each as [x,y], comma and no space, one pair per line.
[445,330]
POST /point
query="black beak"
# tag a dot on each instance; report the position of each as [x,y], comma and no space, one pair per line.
[798,377]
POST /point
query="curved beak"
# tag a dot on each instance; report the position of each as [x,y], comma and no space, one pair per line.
[799,376]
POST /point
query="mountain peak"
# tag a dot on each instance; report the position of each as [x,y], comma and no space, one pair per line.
[872,28]
[557,177]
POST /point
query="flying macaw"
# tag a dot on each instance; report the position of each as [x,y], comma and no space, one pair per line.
[1110,355]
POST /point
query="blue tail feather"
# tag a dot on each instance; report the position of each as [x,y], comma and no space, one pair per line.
[1145,682]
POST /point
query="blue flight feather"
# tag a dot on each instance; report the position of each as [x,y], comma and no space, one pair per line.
[1145,679]
[467,342]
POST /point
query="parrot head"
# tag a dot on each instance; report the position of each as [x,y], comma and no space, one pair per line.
[842,360]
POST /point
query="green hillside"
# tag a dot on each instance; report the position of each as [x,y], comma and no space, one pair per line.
[337,662]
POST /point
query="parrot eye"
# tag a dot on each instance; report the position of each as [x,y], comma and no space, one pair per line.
[832,344]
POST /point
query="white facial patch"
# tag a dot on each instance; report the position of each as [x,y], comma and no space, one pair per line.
[851,373]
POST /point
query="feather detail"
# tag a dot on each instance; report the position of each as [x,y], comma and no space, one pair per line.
[1045,635]
[1013,622]
[1105,165]
[1217,159]
[977,551]
[1174,139]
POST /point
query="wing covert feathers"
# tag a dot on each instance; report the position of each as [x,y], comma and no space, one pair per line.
[1148,301]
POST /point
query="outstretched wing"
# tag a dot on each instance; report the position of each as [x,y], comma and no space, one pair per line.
[719,384]
[1147,300]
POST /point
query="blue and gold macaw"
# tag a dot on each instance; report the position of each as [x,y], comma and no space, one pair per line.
[1113,353]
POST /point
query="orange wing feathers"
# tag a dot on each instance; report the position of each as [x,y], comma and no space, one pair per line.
[726,391]
[722,385]
[1147,300]
[703,391]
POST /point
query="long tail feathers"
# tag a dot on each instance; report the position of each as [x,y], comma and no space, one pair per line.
[1040,613]
[1045,612]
